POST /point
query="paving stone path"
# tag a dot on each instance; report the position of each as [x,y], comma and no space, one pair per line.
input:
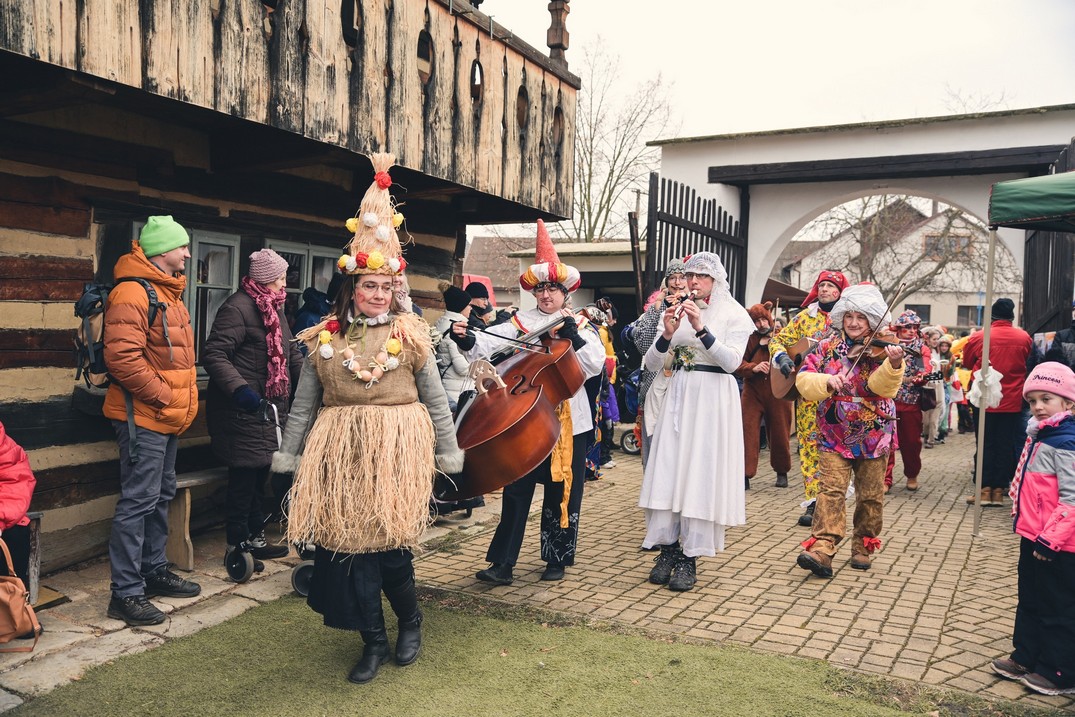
[938,605]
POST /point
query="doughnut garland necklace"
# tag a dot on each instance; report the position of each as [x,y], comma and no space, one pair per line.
[385,360]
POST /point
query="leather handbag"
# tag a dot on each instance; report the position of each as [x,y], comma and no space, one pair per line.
[927,398]
[17,617]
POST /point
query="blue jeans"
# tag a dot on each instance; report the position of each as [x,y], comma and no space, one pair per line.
[140,526]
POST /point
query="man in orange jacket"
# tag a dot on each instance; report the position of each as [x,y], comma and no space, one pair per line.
[153,397]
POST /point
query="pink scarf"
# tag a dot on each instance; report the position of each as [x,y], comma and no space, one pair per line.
[1033,426]
[269,304]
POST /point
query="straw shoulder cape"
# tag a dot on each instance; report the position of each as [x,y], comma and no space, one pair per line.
[364,478]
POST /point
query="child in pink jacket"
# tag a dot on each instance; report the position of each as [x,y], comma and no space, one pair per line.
[1043,507]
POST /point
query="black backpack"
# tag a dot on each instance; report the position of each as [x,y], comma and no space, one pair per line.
[89,340]
[90,344]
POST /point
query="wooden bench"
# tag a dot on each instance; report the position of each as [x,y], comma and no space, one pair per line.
[180,549]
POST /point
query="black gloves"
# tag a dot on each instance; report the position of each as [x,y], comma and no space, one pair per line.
[465,342]
[785,364]
[570,331]
[246,399]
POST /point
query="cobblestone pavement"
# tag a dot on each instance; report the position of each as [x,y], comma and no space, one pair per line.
[937,606]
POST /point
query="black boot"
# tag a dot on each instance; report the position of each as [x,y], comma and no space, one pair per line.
[498,573]
[409,642]
[664,563]
[807,518]
[781,480]
[374,654]
[684,575]
[400,590]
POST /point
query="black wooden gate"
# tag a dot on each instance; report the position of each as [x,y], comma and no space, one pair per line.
[1049,257]
[679,223]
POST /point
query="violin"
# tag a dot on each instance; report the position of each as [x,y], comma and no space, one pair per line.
[882,339]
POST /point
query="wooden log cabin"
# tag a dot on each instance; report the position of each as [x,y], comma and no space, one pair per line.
[250,122]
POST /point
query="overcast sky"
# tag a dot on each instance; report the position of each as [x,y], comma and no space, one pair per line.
[773,64]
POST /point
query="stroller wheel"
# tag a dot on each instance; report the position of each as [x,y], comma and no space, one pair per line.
[239,564]
[629,444]
[301,577]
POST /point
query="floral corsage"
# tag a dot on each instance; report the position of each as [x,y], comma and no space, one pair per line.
[683,358]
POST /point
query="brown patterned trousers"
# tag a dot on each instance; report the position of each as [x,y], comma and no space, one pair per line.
[830,515]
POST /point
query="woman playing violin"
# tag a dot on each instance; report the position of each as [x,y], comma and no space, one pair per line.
[856,420]
[564,472]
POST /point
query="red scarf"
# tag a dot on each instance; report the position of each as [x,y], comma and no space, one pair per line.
[269,304]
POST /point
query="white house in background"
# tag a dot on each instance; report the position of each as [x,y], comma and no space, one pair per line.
[954,298]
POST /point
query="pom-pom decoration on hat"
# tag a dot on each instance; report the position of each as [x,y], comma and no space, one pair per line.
[549,267]
[375,247]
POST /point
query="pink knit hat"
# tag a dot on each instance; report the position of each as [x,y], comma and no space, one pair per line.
[1051,376]
[266,266]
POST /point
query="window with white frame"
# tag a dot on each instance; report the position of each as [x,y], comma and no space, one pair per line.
[212,276]
[307,266]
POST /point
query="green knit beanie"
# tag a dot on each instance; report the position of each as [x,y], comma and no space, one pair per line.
[160,235]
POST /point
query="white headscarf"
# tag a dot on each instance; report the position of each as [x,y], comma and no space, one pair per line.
[708,263]
[865,299]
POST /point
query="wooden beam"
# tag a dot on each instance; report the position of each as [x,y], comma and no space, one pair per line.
[1032,160]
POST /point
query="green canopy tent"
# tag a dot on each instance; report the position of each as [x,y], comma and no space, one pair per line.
[1042,203]
[1036,203]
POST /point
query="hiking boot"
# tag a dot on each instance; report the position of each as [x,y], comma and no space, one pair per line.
[817,563]
[912,484]
[861,561]
[807,518]
[497,573]
[261,550]
[553,572]
[684,575]
[409,641]
[664,564]
[987,497]
[134,610]
[998,495]
[1044,685]
[1008,668]
[781,480]
[374,654]
[165,583]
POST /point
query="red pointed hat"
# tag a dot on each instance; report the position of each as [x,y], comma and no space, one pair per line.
[548,267]
[833,277]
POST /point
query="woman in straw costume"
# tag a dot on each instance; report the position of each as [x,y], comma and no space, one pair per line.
[373,417]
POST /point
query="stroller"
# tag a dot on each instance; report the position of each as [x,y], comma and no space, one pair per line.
[630,441]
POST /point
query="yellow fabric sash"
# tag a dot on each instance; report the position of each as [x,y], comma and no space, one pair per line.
[562,455]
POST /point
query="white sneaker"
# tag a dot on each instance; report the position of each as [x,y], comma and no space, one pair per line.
[610,464]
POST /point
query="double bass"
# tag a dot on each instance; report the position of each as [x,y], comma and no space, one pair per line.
[511,425]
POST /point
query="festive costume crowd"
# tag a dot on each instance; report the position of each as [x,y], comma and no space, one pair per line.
[356,415]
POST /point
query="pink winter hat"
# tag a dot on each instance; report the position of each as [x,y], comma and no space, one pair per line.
[1051,376]
[266,266]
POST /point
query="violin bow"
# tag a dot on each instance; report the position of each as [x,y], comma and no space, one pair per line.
[873,332]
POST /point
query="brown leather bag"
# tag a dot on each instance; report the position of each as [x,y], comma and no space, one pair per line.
[16,615]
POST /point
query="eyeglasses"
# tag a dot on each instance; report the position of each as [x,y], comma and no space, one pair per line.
[370,288]
[691,276]
[546,288]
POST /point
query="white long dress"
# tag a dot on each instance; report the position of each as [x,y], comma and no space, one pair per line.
[693,486]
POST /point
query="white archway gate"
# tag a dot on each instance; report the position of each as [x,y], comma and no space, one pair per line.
[775,182]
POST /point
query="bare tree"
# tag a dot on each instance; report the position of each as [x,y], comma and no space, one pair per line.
[611,157]
[891,240]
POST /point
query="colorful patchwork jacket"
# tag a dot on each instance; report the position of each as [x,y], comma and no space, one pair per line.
[859,420]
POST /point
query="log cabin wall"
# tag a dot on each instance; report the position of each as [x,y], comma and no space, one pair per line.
[366,76]
[246,124]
